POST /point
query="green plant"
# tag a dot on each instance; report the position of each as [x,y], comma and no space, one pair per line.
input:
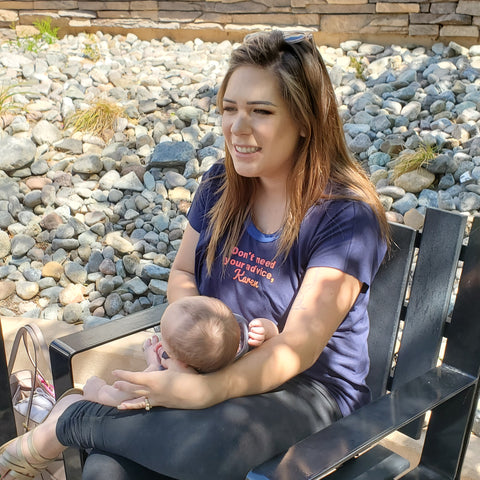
[6,101]
[358,66]
[98,119]
[91,51]
[47,33]
[409,161]
[29,44]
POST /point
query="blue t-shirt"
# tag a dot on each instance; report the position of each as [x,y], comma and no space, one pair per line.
[342,234]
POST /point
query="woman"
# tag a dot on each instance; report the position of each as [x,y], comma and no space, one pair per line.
[287,227]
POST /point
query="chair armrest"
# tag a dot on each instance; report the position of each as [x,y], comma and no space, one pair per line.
[329,448]
[63,349]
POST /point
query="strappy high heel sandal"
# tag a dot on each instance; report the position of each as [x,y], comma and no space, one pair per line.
[17,465]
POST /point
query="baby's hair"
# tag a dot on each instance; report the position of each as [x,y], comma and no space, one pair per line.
[208,336]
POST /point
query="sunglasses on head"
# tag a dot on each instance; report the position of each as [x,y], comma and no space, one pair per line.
[296,37]
[289,37]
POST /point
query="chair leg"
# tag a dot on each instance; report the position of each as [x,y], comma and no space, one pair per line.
[73,460]
[448,434]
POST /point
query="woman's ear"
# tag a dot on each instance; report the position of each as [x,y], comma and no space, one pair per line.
[303,131]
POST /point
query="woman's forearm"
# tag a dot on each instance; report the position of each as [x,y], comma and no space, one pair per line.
[180,284]
[261,370]
[181,281]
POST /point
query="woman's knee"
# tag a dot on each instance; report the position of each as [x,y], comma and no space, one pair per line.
[100,465]
[104,465]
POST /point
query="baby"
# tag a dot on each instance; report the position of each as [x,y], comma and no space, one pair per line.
[200,332]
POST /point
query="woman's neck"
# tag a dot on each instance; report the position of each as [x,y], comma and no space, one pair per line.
[269,208]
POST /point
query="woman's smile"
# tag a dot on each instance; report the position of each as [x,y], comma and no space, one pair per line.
[247,150]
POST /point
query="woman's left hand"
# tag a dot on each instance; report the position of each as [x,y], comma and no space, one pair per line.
[176,387]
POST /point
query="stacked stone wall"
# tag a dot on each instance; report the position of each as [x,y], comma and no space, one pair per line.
[385,21]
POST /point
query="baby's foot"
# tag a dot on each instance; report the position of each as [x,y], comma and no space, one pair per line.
[151,348]
[92,387]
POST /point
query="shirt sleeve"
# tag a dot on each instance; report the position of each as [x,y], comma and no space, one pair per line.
[205,197]
[347,238]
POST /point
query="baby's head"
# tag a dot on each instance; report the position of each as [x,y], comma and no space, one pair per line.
[201,332]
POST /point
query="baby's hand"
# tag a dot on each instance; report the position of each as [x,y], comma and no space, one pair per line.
[151,348]
[256,333]
[92,387]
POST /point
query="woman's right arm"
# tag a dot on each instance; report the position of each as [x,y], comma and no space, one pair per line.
[181,282]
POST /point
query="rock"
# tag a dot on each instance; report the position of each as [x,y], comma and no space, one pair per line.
[69,145]
[105,286]
[75,272]
[72,294]
[188,113]
[113,304]
[130,181]
[26,290]
[72,313]
[395,192]
[17,153]
[7,288]
[120,244]
[469,201]
[406,203]
[21,244]
[37,183]
[136,286]
[5,220]
[52,269]
[45,132]
[88,164]
[415,181]
[158,287]
[155,271]
[413,218]
[171,154]
[5,244]
[108,181]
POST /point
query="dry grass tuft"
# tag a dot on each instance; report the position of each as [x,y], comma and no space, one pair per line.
[410,161]
[98,120]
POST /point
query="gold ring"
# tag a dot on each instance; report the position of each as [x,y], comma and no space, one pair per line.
[148,406]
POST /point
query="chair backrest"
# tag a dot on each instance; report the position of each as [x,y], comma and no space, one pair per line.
[410,298]
[463,332]
[387,295]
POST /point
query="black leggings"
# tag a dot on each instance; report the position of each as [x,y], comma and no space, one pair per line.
[223,442]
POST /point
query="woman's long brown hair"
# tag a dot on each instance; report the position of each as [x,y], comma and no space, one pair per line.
[324,167]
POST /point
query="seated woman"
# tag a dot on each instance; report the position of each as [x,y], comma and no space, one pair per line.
[286,227]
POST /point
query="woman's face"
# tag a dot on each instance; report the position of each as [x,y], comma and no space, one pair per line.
[259,131]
